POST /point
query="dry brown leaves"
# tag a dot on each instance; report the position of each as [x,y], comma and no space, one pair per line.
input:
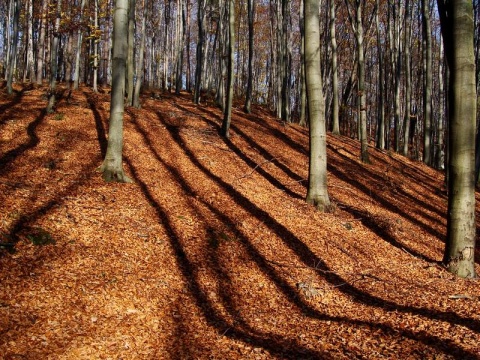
[212,252]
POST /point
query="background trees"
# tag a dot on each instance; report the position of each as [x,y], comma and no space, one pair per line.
[383,59]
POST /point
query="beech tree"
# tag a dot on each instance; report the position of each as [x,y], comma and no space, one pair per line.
[356,21]
[112,167]
[457,28]
[15,9]
[317,193]
[427,90]
[230,69]
[53,57]
[251,16]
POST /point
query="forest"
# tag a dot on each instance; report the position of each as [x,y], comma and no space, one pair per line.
[281,179]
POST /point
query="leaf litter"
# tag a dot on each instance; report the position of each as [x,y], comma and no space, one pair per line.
[212,253]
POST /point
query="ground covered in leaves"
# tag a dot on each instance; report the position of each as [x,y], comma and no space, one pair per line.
[211,252]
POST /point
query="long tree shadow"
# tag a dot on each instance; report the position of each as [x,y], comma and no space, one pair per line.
[306,256]
[251,163]
[101,133]
[366,219]
[337,170]
[17,99]
[33,140]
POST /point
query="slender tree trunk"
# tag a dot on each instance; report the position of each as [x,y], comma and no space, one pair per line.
[112,167]
[303,84]
[54,58]
[317,193]
[139,76]
[13,46]
[408,79]
[231,63]
[76,78]
[427,91]
[30,68]
[457,27]
[440,153]
[180,46]
[251,17]
[41,43]
[335,100]
[199,59]
[189,71]
[131,51]
[397,74]
[362,97]
[333,44]
[285,62]
[381,92]
[95,48]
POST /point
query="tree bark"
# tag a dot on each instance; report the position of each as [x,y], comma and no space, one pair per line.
[427,90]
[41,43]
[112,167]
[199,55]
[381,92]
[131,51]
[408,80]
[54,58]
[456,18]
[335,100]
[139,76]
[251,17]
[317,193]
[76,78]
[95,41]
[230,72]
[13,46]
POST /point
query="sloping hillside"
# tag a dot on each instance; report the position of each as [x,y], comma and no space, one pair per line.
[212,252]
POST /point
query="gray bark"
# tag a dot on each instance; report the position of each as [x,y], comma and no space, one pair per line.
[317,193]
[13,46]
[251,17]
[54,58]
[230,72]
[112,167]
[333,44]
[457,28]
[427,90]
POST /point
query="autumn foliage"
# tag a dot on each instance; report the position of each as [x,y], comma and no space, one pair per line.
[212,252]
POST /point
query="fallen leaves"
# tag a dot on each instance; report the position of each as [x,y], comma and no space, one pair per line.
[212,251]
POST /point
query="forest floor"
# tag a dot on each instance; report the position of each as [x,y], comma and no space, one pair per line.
[212,252]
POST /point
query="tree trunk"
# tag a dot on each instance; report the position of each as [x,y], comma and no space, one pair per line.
[95,41]
[13,46]
[335,103]
[79,51]
[397,73]
[139,76]
[381,92]
[457,27]
[230,72]
[427,90]
[131,51]
[112,166]
[199,58]
[30,69]
[317,193]
[41,43]
[303,84]
[180,46]
[440,153]
[251,17]
[54,58]
[362,97]
[408,80]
